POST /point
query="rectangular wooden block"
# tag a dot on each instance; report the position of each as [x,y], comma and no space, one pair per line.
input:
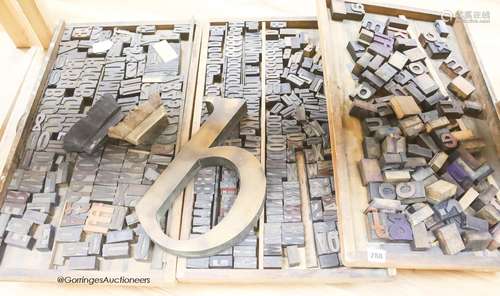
[404,106]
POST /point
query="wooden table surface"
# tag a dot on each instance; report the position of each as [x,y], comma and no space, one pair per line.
[19,69]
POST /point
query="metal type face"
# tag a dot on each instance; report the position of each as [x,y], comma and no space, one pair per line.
[195,155]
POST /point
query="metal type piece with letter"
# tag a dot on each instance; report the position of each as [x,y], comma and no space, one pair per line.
[195,155]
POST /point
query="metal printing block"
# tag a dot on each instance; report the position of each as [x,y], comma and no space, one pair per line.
[198,263]
[222,261]
[18,240]
[73,249]
[35,217]
[32,181]
[272,262]
[69,234]
[94,241]
[118,218]
[82,263]
[292,234]
[44,236]
[116,250]
[329,261]
[99,218]
[19,225]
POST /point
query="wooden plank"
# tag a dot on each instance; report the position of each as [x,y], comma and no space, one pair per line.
[35,18]
[346,137]
[13,25]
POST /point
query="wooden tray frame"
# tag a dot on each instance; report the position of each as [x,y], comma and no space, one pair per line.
[162,277]
[260,275]
[346,136]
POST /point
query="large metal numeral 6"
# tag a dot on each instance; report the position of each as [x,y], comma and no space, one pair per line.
[197,154]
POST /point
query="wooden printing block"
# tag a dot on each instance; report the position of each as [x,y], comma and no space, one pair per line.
[420,215]
[453,68]
[427,37]
[466,200]
[398,60]
[484,198]
[338,10]
[386,72]
[439,191]
[396,176]
[421,239]
[413,163]
[436,123]
[354,11]
[395,33]
[417,68]
[372,79]
[370,171]
[489,213]
[391,161]
[398,228]
[82,263]
[459,170]
[356,50]
[477,240]
[438,50]
[411,126]
[379,49]
[430,102]
[429,116]
[361,109]
[397,22]
[99,217]
[410,192]
[361,63]
[495,243]
[371,148]
[363,91]
[381,190]
[384,109]
[384,40]
[444,139]
[422,173]
[293,256]
[415,54]
[382,132]
[450,240]
[88,133]
[371,124]
[18,240]
[375,220]
[403,44]
[426,84]
[470,222]
[142,122]
[372,25]
[404,106]
[448,209]
[365,37]
[461,87]
[441,28]
[375,62]
[473,109]
[418,151]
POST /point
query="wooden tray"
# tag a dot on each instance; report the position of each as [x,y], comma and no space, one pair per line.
[346,134]
[25,265]
[259,275]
